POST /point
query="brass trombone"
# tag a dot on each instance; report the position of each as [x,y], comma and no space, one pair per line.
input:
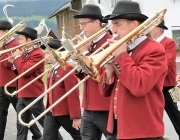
[92,64]
[95,63]
[64,77]
[62,57]
[20,26]
[24,46]
[20,89]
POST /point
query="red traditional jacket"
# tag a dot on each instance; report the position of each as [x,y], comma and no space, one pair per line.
[71,104]
[140,101]
[92,100]
[22,64]
[6,72]
[171,49]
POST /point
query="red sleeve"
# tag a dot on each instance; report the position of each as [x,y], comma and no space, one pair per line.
[104,88]
[6,63]
[171,50]
[22,65]
[73,98]
[140,79]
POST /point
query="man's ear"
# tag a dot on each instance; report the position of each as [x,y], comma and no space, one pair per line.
[28,39]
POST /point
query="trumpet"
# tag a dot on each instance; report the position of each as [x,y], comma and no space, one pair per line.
[19,27]
[62,57]
[96,61]
[20,89]
[53,86]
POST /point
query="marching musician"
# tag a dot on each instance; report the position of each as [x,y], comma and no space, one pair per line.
[67,113]
[96,107]
[134,79]
[157,33]
[23,60]
[7,75]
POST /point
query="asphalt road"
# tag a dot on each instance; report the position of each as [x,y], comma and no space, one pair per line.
[10,133]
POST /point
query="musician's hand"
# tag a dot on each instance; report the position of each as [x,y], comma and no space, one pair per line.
[120,49]
[79,38]
[18,52]
[109,71]
[76,124]
[11,59]
[111,41]
[1,44]
[177,78]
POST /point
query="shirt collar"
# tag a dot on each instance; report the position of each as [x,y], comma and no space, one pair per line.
[159,39]
[9,40]
[137,42]
[98,38]
[31,49]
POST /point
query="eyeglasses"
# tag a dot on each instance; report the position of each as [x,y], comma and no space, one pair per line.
[83,24]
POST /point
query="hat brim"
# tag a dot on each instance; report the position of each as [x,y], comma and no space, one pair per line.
[52,46]
[26,34]
[129,16]
[163,26]
[92,16]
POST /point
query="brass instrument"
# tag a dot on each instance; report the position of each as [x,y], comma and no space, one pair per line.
[19,27]
[20,89]
[53,86]
[24,46]
[92,64]
[175,93]
[96,60]
[63,56]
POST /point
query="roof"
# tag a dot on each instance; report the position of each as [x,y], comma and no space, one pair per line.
[66,5]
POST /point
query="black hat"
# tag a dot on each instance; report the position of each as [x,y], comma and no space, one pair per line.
[91,11]
[53,44]
[28,32]
[126,10]
[161,25]
[5,25]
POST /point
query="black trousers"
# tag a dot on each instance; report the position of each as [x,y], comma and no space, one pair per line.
[36,109]
[5,101]
[93,124]
[52,125]
[172,110]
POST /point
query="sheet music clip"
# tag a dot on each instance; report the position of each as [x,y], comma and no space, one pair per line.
[69,45]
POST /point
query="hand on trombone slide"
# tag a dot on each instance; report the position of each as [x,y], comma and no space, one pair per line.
[85,47]
[1,44]
[18,52]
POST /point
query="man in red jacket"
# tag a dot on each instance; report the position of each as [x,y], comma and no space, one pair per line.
[67,113]
[22,61]
[7,75]
[96,107]
[134,79]
[170,47]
